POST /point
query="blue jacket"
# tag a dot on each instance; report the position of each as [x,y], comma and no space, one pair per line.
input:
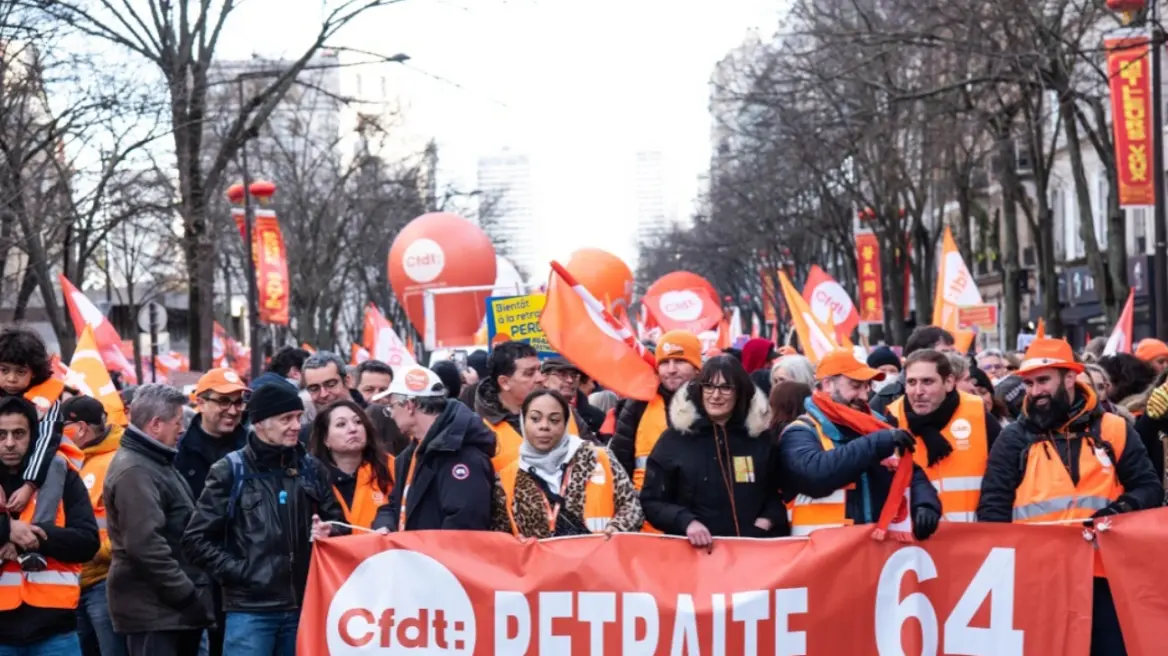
[810,469]
[197,451]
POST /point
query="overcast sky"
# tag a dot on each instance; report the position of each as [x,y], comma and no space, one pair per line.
[580,85]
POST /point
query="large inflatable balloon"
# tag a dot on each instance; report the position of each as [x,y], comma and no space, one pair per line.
[440,250]
[605,275]
[508,282]
[683,301]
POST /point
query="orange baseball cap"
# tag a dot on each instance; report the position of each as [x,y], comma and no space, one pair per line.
[1150,349]
[679,345]
[220,381]
[1049,353]
[842,362]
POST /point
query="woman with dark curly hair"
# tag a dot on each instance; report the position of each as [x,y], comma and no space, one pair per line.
[342,437]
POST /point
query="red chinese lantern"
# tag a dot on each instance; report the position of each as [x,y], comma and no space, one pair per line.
[867,214]
[1130,6]
[443,250]
[235,193]
[262,190]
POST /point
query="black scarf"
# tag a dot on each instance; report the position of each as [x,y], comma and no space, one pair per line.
[928,427]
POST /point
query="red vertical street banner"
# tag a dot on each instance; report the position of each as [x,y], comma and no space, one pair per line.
[976,589]
[1128,68]
[871,295]
[271,262]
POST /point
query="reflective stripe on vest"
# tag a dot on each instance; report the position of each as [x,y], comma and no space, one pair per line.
[599,494]
[807,515]
[58,586]
[957,478]
[653,423]
[367,497]
[1047,494]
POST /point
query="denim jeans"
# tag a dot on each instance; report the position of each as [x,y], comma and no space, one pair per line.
[65,644]
[95,629]
[270,633]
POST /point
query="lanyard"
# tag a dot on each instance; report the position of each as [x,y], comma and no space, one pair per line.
[553,512]
[401,518]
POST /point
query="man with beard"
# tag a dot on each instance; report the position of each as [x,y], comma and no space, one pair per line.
[833,457]
[1066,459]
[952,429]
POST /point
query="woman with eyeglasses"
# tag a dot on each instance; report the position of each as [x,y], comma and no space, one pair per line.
[563,485]
[714,473]
[360,469]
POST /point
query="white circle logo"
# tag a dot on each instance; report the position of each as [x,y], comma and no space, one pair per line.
[961,429]
[231,376]
[89,481]
[401,602]
[829,300]
[683,305]
[423,260]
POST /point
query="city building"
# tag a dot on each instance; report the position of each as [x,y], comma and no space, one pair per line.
[506,184]
[654,216]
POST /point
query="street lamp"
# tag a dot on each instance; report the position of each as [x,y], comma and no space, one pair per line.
[246,191]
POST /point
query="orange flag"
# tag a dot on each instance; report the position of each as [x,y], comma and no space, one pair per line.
[816,339]
[580,329]
[84,313]
[87,373]
[1121,337]
[956,288]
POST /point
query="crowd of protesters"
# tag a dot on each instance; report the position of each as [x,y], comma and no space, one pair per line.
[182,534]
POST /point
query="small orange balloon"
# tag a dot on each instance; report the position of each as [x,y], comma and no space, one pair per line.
[605,276]
[443,250]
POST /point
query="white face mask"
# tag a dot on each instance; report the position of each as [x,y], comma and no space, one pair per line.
[878,385]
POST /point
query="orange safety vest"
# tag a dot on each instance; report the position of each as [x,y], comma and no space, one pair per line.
[805,514]
[93,475]
[1047,494]
[653,424]
[367,497]
[957,478]
[599,495]
[58,586]
[507,441]
[43,396]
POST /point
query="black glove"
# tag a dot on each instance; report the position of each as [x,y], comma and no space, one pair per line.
[1113,508]
[925,522]
[888,441]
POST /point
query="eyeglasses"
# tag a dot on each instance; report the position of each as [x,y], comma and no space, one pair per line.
[566,376]
[329,385]
[225,402]
[712,388]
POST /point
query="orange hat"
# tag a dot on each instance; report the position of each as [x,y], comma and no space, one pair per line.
[1049,353]
[221,381]
[843,362]
[1150,349]
[679,345]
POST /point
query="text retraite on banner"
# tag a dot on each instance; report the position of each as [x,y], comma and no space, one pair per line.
[989,590]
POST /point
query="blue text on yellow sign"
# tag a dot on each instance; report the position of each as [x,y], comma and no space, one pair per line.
[517,318]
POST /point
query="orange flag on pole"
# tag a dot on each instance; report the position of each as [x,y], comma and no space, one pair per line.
[588,336]
[87,373]
[84,313]
[817,341]
[382,342]
[1121,337]
[956,289]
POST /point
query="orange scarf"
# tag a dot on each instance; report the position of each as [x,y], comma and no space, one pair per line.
[839,414]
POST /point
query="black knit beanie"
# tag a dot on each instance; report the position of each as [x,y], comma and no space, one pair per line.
[882,355]
[271,400]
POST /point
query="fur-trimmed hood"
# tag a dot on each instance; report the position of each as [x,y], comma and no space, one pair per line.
[688,416]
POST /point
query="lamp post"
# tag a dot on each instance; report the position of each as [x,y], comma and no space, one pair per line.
[1160,254]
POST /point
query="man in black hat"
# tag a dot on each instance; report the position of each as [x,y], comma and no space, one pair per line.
[564,377]
[254,523]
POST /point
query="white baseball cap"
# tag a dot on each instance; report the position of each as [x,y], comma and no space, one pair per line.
[414,381]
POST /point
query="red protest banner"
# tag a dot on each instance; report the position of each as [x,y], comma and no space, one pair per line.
[868,275]
[990,590]
[1128,69]
[1138,580]
[271,261]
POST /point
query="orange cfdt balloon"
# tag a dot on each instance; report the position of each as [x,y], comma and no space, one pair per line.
[604,275]
[443,250]
[677,281]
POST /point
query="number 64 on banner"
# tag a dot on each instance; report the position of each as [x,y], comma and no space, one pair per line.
[994,579]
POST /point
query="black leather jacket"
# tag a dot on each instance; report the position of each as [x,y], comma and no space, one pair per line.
[260,554]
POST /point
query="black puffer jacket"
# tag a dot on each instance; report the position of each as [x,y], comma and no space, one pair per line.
[686,479]
[809,469]
[623,444]
[592,416]
[1007,464]
[260,555]
[197,451]
[454,480]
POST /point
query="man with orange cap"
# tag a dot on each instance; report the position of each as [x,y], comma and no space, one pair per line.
[1154,352]
[1066,459]
[679,358]
[833,455]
